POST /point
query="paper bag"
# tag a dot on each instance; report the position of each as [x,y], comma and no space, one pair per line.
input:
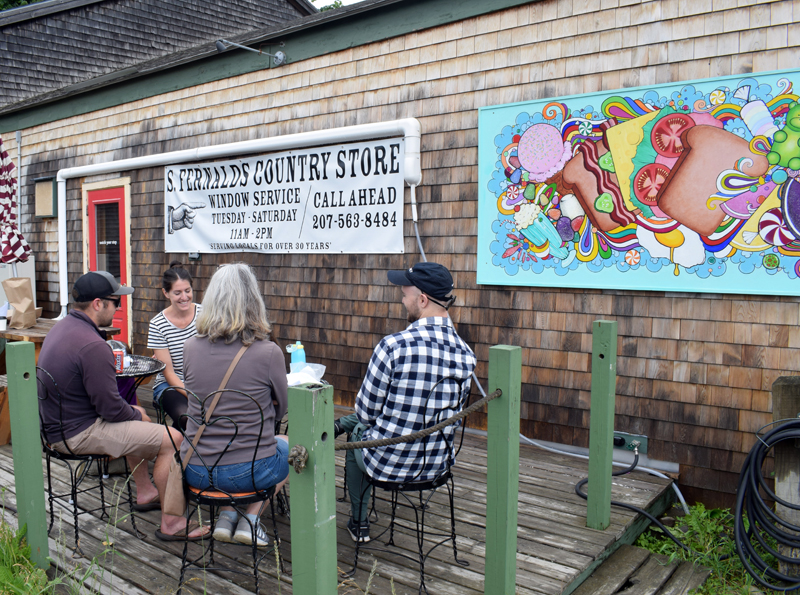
[20,297]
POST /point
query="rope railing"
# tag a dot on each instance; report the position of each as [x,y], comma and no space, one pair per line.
[422,433]
[298,454]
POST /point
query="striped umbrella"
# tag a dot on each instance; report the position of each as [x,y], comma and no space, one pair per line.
[13,247]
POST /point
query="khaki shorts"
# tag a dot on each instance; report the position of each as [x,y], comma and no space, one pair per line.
[128,438]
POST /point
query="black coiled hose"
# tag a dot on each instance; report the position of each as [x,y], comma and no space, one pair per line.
[764,524]
[652,519]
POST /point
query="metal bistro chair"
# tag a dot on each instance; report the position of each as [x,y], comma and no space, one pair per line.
[78,465]
[214,497]
[407,488]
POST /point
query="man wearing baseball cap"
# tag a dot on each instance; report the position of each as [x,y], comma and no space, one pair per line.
[400,393]
[93,417]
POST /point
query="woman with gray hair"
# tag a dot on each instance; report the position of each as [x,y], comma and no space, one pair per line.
[234,320]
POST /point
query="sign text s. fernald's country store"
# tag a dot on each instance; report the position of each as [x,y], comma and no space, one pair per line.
[345,198]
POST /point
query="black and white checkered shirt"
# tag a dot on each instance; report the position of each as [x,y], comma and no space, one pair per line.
[394,399]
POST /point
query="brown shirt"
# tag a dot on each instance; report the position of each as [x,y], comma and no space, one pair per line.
[261,373]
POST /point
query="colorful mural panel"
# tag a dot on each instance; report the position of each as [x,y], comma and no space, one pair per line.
[682,187]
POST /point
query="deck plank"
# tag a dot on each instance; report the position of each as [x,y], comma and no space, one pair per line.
[554,546]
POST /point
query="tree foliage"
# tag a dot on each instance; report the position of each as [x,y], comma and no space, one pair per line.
[8,4]
[336,4]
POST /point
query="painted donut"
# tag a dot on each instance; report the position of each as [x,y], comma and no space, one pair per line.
[540,149]
[772,228]
[632,257]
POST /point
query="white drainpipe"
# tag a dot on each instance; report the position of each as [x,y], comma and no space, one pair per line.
[408,127]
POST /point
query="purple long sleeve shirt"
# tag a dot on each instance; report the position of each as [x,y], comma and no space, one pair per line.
[76,354]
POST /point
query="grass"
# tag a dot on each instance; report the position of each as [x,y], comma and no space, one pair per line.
[709,532]
[18,574]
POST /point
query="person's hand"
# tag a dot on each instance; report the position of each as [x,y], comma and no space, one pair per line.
[183,215]
[145,417]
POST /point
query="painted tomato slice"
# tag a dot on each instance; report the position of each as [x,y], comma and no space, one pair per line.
[648,182]
[666,134]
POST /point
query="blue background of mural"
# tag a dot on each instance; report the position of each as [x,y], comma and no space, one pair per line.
[771,271]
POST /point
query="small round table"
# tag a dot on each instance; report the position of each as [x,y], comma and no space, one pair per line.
[140,368]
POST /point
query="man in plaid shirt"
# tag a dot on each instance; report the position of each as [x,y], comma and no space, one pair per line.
[400,394]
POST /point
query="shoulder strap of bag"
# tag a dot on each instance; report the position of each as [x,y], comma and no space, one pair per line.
[214,402]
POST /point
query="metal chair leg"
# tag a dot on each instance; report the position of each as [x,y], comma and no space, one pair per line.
[183,558]
[74,501]
[49,492]
[214,512]
[391,521]
[104,513]
[419,520]
[450,492]
[254,547]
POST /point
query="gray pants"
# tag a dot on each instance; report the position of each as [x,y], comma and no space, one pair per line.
[354,470]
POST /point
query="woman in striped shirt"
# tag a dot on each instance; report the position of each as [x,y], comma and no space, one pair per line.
[169,330]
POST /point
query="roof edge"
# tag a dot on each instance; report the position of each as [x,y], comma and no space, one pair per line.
[350,26]
[41,9]
[304,6]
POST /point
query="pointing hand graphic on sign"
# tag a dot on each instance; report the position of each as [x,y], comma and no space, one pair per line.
[182,216]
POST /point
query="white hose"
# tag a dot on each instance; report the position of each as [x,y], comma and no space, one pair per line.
[645,469]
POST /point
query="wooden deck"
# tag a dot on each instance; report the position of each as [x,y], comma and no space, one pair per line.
[556,552]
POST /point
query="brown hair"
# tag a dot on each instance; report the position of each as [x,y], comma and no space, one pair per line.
[174,273]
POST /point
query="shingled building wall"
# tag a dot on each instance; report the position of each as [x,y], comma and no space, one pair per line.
[695,370]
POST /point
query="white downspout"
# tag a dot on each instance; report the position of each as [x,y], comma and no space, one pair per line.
[408,127]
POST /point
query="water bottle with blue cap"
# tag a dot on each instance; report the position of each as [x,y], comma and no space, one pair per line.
[298,356]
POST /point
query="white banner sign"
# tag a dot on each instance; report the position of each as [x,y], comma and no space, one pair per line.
[344,198]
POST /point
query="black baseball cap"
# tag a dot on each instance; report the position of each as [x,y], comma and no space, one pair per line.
[429,277]
[97,284]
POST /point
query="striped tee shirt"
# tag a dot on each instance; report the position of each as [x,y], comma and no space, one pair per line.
[165,335]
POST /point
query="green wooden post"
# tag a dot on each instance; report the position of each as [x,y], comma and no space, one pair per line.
[601,423]
[23,406]
[313,492]
[502,472]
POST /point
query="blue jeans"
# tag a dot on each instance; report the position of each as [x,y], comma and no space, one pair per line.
[239,476]
[158,389]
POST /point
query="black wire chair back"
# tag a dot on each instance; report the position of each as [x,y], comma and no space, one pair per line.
[453,441]
[213,495]
[78,465]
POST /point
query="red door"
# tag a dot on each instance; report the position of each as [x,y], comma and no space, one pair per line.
[108,244]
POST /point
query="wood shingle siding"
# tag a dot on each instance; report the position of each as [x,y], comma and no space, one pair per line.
[694,371]
[44,48]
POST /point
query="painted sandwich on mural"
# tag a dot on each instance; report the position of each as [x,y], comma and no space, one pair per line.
[692,187]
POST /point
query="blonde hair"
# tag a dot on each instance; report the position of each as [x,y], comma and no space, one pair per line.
[233,307]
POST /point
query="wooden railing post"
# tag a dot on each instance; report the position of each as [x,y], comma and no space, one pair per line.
[786,405]
[27,448]
[601,423]
[502,472]
[313,492]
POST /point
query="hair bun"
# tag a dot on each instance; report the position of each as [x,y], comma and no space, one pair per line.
[176,264]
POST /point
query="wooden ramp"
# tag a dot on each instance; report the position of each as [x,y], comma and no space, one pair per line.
[556,552]
[635,571]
